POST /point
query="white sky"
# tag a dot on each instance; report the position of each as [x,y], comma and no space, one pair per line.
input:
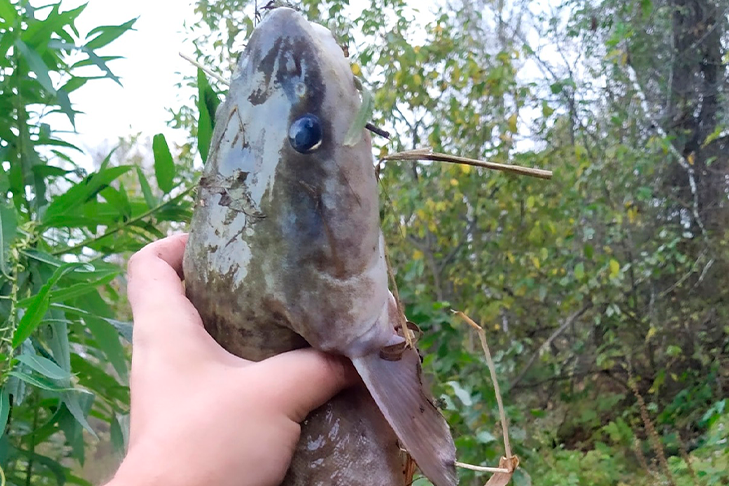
[148,72]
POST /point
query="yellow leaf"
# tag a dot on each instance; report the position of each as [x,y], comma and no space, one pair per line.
[536,262]
[510,257]
[512,123]
[454,182]
[691,158]
[417,80]
[356,69]
[651,332]
[466,169]
[614,268]
[417,255]
[632,215]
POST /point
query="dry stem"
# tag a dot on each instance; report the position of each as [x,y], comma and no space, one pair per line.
[650,429]
[428,154]
[207,71]
[492,369]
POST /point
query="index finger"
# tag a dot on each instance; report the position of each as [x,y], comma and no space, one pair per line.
[155,290]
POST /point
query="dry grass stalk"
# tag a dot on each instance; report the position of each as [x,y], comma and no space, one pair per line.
[687,459]
[651,431]
[206,70]
[509,463]
[428,154]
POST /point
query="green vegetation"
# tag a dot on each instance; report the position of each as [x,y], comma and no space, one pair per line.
[604,292]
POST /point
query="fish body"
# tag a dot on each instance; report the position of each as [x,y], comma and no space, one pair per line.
[285,251]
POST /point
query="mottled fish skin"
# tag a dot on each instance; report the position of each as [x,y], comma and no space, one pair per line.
[285,252]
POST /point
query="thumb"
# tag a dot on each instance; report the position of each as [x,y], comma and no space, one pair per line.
[305,379]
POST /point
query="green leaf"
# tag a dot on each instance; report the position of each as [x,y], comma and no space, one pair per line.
[164,167]
[8,12]
[81,193]
[146,189]
[207,105]
[107,340]
[100,62]
[37,65]
[579,271]
[80,289]
[462,394]
[108,34]
[38,307]
[8,232]
[124,328]
[4,406]
[120,433]
[485,437]
[38,382]
[45,367]
[354,134]
[79,411]
[57,338]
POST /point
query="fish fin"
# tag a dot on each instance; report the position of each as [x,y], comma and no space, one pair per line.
[398,391]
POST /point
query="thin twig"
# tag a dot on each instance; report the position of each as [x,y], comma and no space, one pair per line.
[492,370]
[567,323]
[207,71]
[377,130]
[486,469]
[428,154]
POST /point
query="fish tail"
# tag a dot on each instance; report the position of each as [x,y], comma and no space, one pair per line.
[398,391]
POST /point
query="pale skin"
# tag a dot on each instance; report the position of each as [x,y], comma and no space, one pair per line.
[200,415]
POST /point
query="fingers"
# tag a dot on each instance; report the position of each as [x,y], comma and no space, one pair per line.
[302,380]
[162,314]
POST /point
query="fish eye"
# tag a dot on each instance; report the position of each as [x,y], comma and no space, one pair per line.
[305,133]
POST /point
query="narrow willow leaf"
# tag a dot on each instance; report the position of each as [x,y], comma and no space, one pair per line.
[354,134]
[120,433]
[38,307]
[77,290]
[146,189]
[75,198]
[108,34]
[79,404]
[207,105]
[37,65]
[164,167]
[4,409]
[100,62]
[8,232]
[107,340]
[38,382]
[124,328]
[7,11]
[57,338]
[45,367]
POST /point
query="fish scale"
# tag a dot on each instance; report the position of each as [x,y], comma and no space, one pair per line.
[285,251]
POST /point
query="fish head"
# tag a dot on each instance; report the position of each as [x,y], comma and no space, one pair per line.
[290,200]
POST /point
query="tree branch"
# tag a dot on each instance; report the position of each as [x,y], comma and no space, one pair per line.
[567,323]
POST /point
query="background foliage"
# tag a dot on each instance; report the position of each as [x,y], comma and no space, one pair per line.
[603,291]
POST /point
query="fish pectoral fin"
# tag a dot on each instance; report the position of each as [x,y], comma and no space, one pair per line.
[398,391]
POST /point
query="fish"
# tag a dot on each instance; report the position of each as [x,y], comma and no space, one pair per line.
[285,251]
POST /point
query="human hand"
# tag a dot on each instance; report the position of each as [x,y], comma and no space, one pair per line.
[200,415]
